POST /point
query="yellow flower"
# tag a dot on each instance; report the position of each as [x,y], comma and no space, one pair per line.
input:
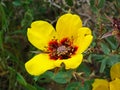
[101,84]
[61,46]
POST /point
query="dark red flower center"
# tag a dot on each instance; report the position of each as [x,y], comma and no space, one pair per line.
[61,50]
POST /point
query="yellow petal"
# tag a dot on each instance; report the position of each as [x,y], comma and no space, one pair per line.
[100,84]
[83,39]
[115,84]
[67,25]
[40,33]
[39,64]
[115,71]
[70,63]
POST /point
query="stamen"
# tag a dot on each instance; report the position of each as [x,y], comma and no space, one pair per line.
[61,50]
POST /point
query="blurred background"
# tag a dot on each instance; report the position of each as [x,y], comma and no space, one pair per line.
[15,49]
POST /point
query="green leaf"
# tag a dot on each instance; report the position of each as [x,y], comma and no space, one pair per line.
[98,4]
[118,3]
[44,78]
[105,48]
[73,86]
[97,57]
[110,61]
[112,42]
[23,82]
[69,2]
[103,64]
[95,9]
[101,3]
[1,40]
[3,18]
[80,85]
[28,17]
[21,79]
[92,3]
[93,6]
[36,78]
[19,32]
[62,77]
[84,68]
[113,59]
[30,87]
[39,88]
[17,3]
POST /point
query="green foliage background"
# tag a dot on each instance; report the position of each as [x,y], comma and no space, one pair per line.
[17,15]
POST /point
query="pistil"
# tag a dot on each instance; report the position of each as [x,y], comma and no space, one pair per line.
[61,50]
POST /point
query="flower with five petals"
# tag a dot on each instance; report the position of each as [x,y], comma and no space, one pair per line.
[63,45]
